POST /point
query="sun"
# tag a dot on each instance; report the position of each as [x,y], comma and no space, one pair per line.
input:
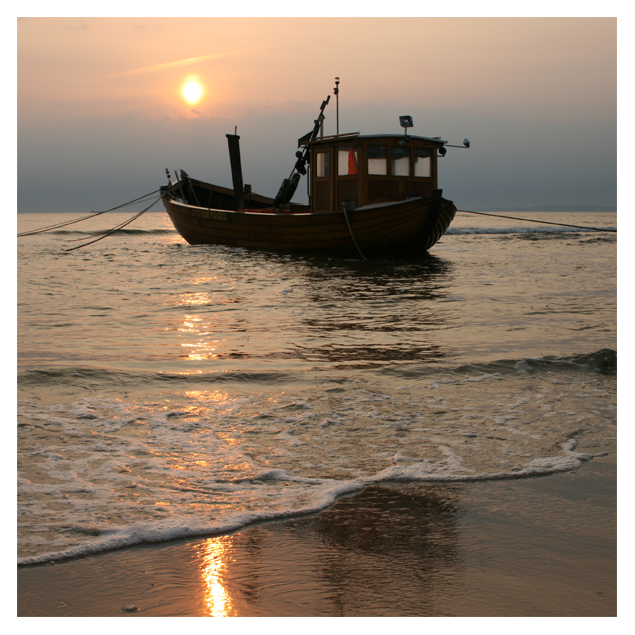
[192,91]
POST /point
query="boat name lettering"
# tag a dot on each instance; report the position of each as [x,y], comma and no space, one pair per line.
[208,213]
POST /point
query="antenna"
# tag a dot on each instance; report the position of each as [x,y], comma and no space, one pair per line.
[336,92]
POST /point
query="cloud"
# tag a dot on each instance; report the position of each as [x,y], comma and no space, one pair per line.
[79,27]
[167,65]
[188,61]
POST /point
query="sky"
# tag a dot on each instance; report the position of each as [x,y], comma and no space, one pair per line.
[101,114]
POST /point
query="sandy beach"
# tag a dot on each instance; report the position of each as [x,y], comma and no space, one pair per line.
[527,547]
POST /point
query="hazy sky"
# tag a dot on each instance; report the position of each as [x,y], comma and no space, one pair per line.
[101,114]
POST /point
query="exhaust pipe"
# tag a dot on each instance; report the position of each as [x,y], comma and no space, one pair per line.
[237,172]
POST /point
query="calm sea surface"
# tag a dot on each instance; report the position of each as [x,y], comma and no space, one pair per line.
[169,390]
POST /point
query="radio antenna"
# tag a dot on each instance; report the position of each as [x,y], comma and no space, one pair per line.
[336,92]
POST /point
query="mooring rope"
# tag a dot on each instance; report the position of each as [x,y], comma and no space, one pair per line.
[359,251]
[78,220]
[117,228]
[544,222]
[49,228]
[134,200]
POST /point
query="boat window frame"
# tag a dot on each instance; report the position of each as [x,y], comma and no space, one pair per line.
[400,148]
[386,159]
[328,153]
[431,153]
[396,149]
[339,148]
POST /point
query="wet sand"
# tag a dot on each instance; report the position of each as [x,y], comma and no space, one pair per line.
[528,547]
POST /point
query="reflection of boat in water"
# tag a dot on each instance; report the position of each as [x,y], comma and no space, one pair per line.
[368,194]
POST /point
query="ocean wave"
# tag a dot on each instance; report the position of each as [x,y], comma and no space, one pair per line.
[603,361]
[327,492]
[70,376]
[187,457]
[452,471]
[318,494]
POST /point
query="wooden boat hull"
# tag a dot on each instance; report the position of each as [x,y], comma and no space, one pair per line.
[385,228]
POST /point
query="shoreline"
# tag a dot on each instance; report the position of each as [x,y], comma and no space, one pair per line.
[542,546]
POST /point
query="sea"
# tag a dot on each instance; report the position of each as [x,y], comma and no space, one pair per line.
[167,390]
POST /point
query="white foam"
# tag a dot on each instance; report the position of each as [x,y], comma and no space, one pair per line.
[483,377]
[522,367]
[115,538]
[174,468]
[316,493]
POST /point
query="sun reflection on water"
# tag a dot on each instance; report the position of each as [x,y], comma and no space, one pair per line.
[215,554]
[205,347]
[188,299]
[214,396]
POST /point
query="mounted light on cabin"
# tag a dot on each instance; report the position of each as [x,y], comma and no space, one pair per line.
[466,143]
[405,121]
[442,151]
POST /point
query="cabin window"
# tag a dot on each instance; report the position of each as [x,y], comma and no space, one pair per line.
[323,164]
[423,162]
[377,159]
[346,160]
[400,165]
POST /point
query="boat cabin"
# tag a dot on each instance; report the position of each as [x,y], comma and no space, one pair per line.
[363,169]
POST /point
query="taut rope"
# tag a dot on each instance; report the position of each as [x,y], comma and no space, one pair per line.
[115,229]
[544,222]
[78,220]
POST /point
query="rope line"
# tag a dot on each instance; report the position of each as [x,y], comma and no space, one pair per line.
[543,222]
[41,230]
[134,200]
[78,220]
[359,251]
[115,229]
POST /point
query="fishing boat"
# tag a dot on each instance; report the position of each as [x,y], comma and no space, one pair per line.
[370,195]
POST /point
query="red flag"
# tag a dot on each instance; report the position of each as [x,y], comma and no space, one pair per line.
[352,162]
